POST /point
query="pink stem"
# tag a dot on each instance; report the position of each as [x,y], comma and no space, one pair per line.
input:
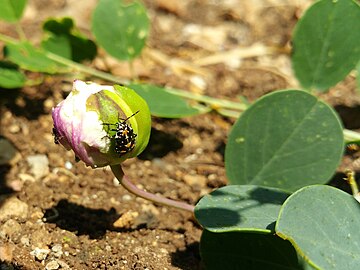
[126,183]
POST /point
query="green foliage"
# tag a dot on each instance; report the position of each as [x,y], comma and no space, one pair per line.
[120,28]
[250,251]
[323,223]
[10,77]
[327,43]
[12,10]
[240,208]
[286,139]
[27,57]
[165,104]
[65,40]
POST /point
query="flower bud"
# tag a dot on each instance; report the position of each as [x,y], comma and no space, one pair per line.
[103,125]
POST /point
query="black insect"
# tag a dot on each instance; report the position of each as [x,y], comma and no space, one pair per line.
[124,137]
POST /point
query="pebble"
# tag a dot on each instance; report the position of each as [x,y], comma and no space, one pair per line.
[40,253]
[25,241]
[7,151]
[68,165]
[126,198]
[52,265]
[10,228]
[63,264]
[6,252]
[12,207]
[126,220]
[195,180]
[57,250]
[39,165]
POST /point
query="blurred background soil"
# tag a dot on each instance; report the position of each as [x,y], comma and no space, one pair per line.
[58,214]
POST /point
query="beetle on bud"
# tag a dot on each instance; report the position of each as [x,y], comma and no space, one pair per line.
[102,124]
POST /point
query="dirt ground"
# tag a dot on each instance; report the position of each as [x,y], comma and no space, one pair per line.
[59,214]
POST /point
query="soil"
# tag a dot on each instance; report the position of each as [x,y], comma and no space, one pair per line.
[81,218]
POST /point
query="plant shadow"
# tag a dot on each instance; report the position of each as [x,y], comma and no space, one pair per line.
[81,220]
[29,104]
[350,116]
[231,216]
[186,258]
[11,266]
[160,144]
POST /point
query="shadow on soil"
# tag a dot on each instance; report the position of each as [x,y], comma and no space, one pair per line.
[186,259]
[338,181]
[81,220]
[11,266]
[349,115]
[20,103]
[160,144]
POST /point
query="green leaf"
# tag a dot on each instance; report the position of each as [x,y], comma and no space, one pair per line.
[28,57]
[10,77]
[64,39]
[358,76]
[240,208]
[120,28]
[58,45]
[327,43]
[165,104]
[250,251]
[12,10]
[323,223]
[286,139]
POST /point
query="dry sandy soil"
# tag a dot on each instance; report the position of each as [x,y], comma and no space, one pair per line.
[59,214]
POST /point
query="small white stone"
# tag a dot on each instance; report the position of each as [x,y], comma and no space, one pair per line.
[68,165]
[126,198]
[39,165]
[52,265]
[39,253]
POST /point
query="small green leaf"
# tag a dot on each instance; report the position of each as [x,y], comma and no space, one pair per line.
[12,10]
[286,139]
[28,57]
[240,208]
[59,45]
[323,223]
[10,77]
[120,28]
[165,104]
[250,251]
[327,43]
[64,39]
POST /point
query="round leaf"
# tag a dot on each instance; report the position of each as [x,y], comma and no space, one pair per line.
[11,78]
[323,223]
[327,43]
[120,28]
[11,10]
[287,139]
[240,208]
[165,104]
[250,251]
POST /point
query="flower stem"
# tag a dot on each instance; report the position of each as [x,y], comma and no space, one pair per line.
[129,186]
[350,178]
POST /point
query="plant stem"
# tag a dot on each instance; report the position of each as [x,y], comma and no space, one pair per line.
[129,186]
[350,178]
[351,136]
[20,32]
